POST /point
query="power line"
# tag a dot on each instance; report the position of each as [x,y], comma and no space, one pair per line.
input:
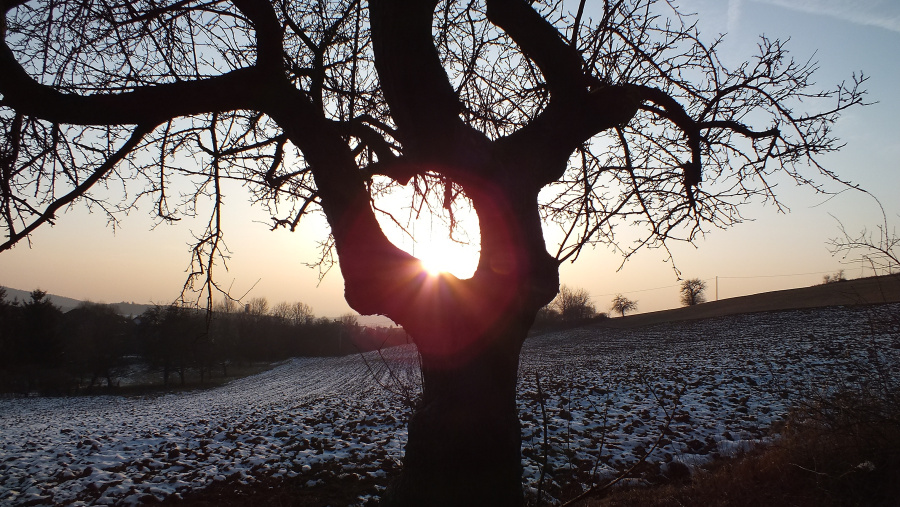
[720,277]
[779,276]
[640,290]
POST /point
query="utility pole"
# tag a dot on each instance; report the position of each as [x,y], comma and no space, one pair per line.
[717,287]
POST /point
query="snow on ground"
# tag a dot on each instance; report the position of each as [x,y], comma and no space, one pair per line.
[686,391]
[721,385]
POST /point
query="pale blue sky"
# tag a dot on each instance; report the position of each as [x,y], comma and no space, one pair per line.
[844,37]
[80,257]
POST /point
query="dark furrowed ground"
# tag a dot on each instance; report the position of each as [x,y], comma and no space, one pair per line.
[676,395]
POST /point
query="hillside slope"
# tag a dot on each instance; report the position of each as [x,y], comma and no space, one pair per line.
[876,289]
[66,303]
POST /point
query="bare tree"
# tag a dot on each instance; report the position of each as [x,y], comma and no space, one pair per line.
[878,248]
[614,116]
[622,304]
[282,311]
[258,307]
[301,314]
[349,320]
[294,313]
[838,276]
[692,292]
[226,306]
[573,304]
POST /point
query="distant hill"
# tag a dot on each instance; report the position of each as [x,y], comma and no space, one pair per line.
[65,304]
[862,291]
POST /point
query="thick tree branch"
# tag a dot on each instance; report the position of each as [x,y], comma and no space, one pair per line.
[423,104]
[544,44]
[375,271]
[740,128]
[238,89]
[399,169]
[541,149]
[79,191]
[675,112]
[269,34]
[415,85]
[371,138]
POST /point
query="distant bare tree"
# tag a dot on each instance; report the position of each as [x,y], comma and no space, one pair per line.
[282,311]
[622,304]
[257,307]
[294,313]
[226,306]
[838,276]
[168,334]
[692,292]
[95,341]
[879,248]
[349,320]
[573,304]
[301,314]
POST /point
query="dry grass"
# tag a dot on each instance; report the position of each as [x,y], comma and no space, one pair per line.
[836,449]
[841,451]
[802,472]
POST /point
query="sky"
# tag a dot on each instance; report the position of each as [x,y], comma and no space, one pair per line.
[82,257]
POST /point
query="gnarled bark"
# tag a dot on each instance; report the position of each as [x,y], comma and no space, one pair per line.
[464,444]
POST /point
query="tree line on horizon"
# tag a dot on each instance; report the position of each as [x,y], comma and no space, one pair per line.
[46,351]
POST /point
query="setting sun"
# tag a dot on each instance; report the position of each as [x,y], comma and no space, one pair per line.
[434,267]
[447,257]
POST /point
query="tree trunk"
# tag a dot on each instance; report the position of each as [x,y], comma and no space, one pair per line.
[464,444]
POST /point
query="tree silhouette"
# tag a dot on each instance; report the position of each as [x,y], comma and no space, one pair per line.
[9,342]
[95,341]
[573,304]
[838,276]
[692,292]
[879,248]
[168,333]
[528,113]
[622,304]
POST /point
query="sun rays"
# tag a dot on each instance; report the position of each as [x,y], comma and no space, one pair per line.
[445,256]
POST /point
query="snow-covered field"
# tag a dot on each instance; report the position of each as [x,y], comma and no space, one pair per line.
[604,397]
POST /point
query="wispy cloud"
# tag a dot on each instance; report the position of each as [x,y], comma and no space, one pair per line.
[879,13]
